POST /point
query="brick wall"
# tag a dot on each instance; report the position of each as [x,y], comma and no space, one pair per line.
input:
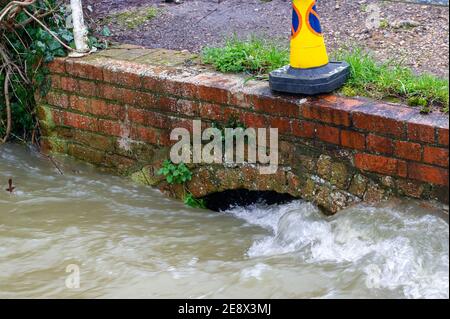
[116,109]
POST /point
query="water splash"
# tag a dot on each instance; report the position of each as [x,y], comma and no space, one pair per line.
[397,248]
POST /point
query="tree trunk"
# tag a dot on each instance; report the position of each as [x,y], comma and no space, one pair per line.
[79,28]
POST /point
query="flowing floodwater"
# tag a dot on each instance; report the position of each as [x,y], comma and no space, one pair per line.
[130,241]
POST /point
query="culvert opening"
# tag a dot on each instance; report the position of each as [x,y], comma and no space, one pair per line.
[242,197]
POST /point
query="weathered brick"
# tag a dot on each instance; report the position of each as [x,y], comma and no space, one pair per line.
[143,99]
[86,153]
[330,109]
[303,129]
[410,188]
[427,173]
[191,108]
[382,118]
[57,99]
[443,136]
[353,140]
[120,77]
[435,155]
[145,134]
[281,106]
[380,164]
[328,134]
[408,150]
[213,87]
[84,70]
[380,144]
[283,124]
[420,132]
[80,103]
[55,81]
[253,120]
[57,66]
[69,84]
[90,124]
[148,118]
[88,88]
[211,111]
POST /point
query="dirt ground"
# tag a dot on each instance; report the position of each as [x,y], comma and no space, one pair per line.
[415,34]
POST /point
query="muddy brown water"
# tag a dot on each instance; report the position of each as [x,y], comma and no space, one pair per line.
[131,241]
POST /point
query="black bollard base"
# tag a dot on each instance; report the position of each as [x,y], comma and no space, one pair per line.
[324,79]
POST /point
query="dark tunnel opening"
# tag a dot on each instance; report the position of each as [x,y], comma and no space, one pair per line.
[242,197]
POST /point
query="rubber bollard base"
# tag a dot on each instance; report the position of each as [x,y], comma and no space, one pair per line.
[324,79]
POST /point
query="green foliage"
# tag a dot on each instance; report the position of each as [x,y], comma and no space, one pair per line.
[255,56]
[368,77]
[385,80]
[180,174]
[191,201]
[175,174]
[29,46]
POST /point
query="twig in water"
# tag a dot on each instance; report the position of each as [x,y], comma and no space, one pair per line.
[10,188]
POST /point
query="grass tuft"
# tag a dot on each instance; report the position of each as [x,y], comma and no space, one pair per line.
[392,80]
[370,78]
[255,56]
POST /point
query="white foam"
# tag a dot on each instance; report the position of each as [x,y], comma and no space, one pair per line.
[393,248]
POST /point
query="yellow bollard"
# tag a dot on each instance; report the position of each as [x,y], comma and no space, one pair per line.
[310,72]
[307,43]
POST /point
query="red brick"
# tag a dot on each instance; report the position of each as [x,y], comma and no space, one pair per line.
[274,105]
[109,127]
[303,129]
[328,134]
[91,124]
[212,94]
[377,124]
[421,127]
[177,122]
[429,174]
[379,144]
[211,111]
[191,108]
[69,84]
[408,150]
[121,95]
[145,134]
[436,156]
[148,118]
[151,83]
[230,114]
[213,87]
[283,124]
[84,70]
[383,118]
[353,140]
[103,108]
[128,79]
[57,99]
[79,103]
[55,82]
[252,120]
[443,136]
[166,103]
[380,164]
[87,88]
[420,132]
[330,109]
[57,66]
